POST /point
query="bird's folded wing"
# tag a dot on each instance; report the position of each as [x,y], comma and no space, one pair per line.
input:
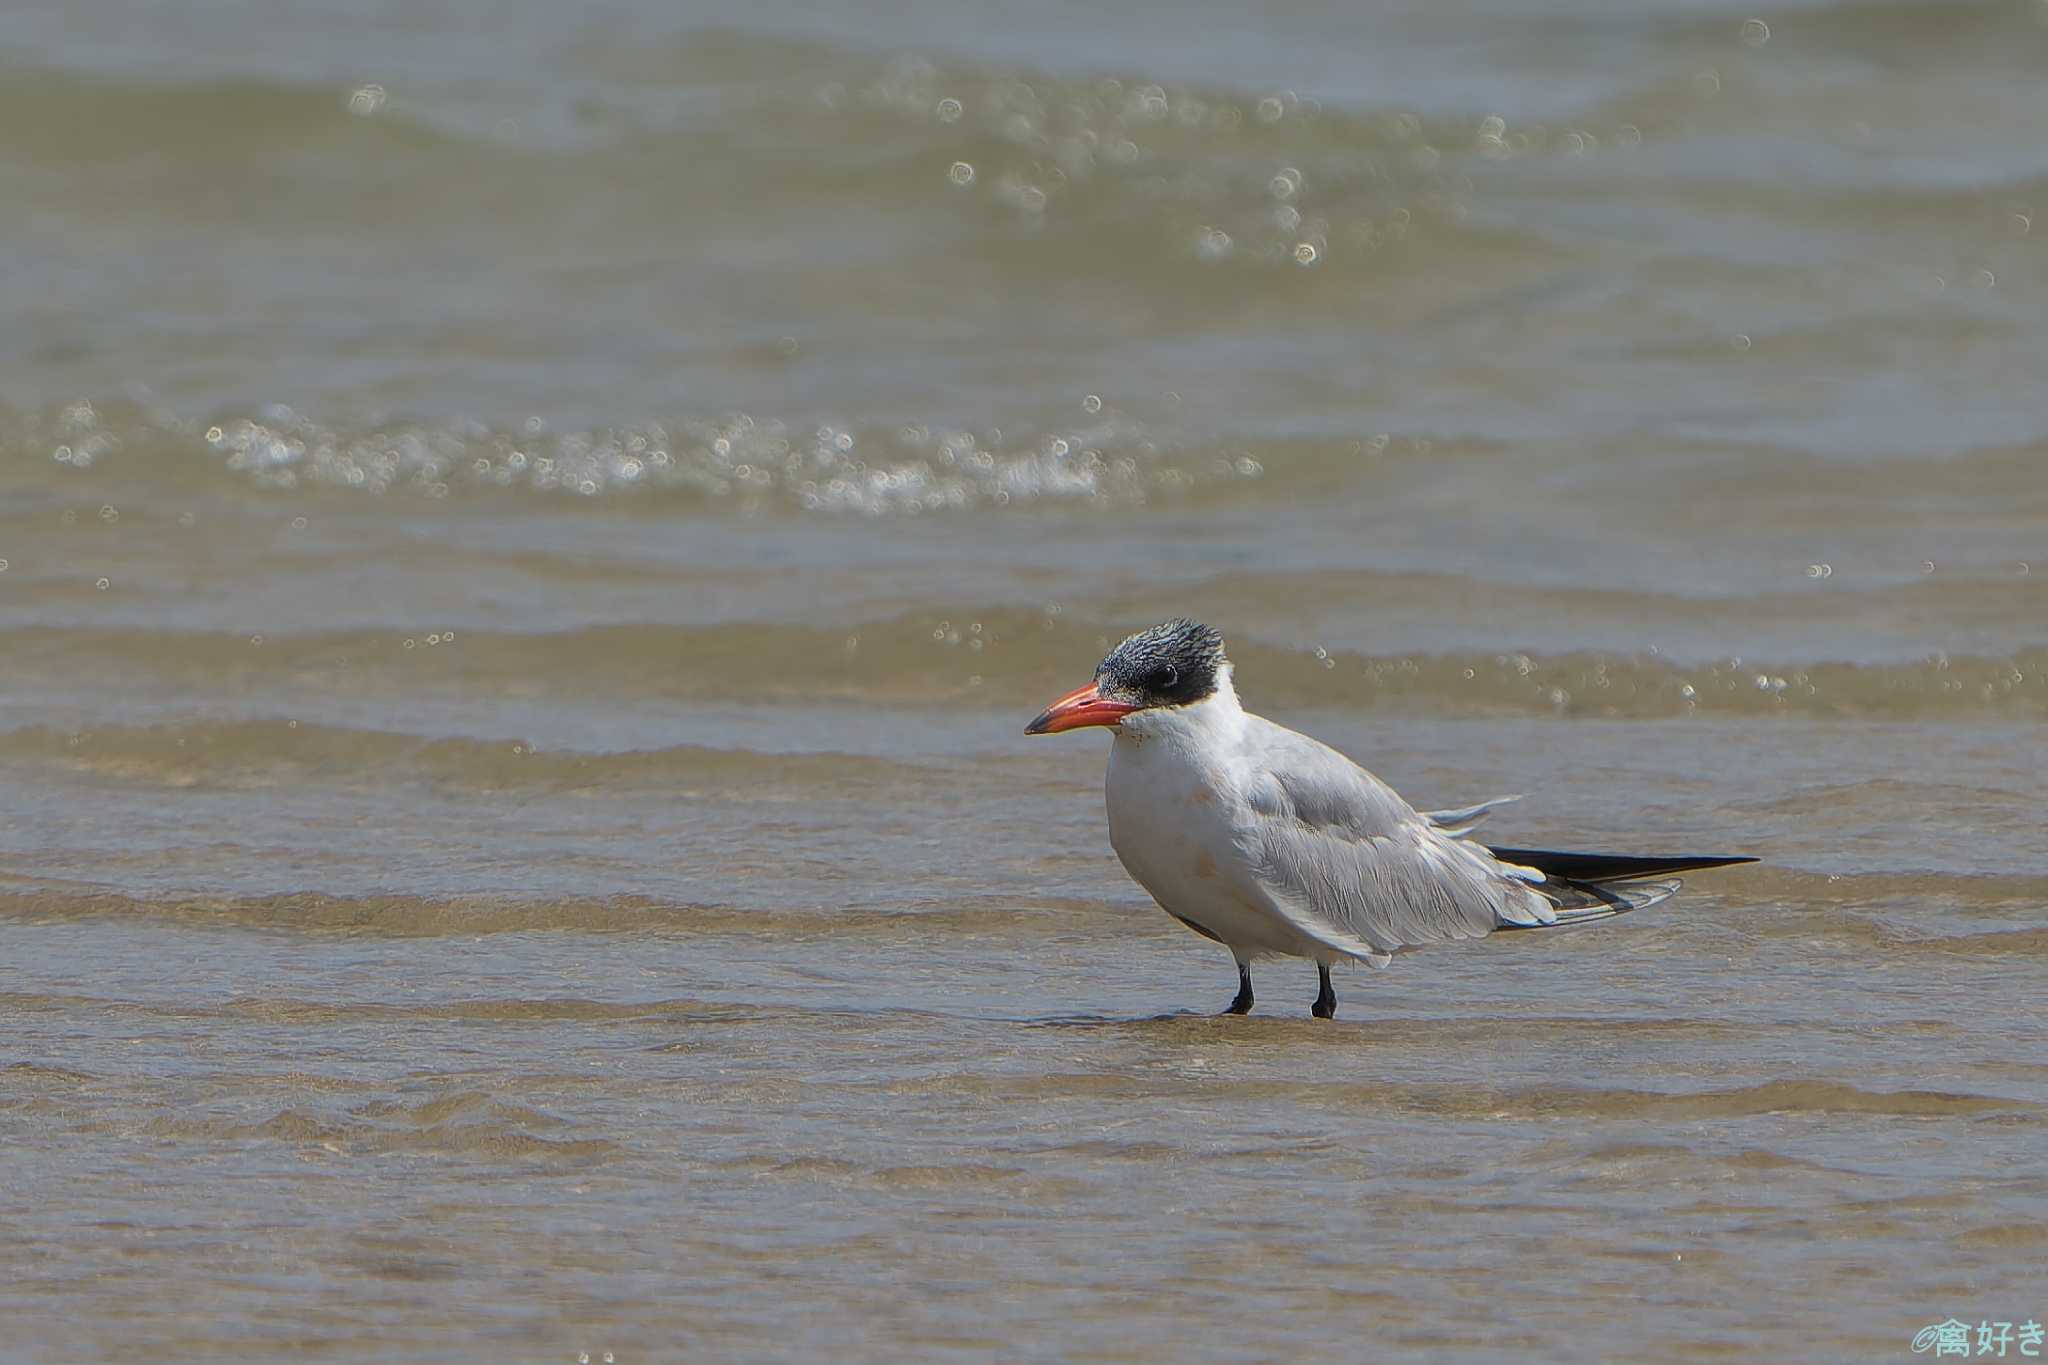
[1347,863]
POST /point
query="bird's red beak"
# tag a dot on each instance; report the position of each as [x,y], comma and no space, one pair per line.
[1080,707]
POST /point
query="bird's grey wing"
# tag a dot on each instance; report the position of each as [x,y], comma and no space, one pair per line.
[1342,858]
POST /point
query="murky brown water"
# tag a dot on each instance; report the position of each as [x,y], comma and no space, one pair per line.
[526,549]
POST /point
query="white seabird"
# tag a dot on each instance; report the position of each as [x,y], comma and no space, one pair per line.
[1276,845]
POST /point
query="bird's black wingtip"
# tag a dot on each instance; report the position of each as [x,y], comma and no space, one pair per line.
[1605,867]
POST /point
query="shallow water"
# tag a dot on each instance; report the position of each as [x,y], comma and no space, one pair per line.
[527,543]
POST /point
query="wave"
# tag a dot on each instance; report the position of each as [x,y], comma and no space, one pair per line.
[400,916]
[757,463]
[1093,455]
[1007,657]
[1788,902]
[263,753]
[1799,1095]
[468,1124]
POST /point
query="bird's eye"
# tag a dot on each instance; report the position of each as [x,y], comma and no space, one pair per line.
[1168,676]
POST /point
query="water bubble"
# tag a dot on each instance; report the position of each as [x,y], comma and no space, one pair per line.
[366,100]
[1271,109]
[109,512]
[1305,253]
[188,519]
[1742,341]
[102,585]
[3,566]
[1820,570]
[1755,32]
[1926,566]
[298,523]
[1092,403]
[1687,692]
[410,644]
[255,639]
[961,173]
[1285,184]
[1212,244]
[1628,135]
[1707,82]
[949,110]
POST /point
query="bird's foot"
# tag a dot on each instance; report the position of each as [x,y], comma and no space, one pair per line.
[1241,1003]
[1325,1006]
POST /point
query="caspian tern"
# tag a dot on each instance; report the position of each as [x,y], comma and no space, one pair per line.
[1276,845]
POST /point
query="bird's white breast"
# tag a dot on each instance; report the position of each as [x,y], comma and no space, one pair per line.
[1177,811]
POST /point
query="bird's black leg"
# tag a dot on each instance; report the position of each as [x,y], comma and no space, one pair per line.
[1241,1003]
[1325,1006]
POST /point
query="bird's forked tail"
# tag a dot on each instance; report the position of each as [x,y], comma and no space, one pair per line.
[1590,886]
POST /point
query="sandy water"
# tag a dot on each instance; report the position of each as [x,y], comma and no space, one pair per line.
[528,539]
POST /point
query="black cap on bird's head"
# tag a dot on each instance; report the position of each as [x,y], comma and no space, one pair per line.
[1176,663]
